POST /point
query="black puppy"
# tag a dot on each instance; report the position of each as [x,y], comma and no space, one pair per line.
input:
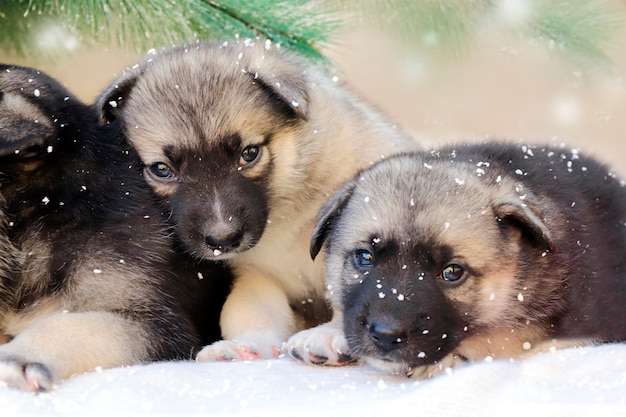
[101,284]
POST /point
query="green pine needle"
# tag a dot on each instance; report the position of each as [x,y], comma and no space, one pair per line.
[581,29]
[293,23]
[137,25]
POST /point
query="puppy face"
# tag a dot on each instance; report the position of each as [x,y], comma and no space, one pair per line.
[214,128]
[422,256]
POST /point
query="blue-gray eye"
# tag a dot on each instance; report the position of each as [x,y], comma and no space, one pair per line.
[364,258]
[453,273]
[249,155]
[161,171]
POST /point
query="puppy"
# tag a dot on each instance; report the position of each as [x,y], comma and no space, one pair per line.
[99,282]
[490,250]
[244,142]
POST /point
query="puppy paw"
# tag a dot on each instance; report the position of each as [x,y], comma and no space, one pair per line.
[322,345]
[238,350]
[28,376]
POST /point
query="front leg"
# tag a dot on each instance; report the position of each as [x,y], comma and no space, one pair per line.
[255,321]
[64,344]
[325,344]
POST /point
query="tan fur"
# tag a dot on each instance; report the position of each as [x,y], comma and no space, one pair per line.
[72,343]
[191,100]
[74,332]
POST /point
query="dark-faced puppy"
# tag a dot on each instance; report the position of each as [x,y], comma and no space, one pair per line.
[245,142]
[100,284]
[495,250]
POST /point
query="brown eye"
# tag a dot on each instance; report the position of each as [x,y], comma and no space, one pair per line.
[453,273]
[249,155]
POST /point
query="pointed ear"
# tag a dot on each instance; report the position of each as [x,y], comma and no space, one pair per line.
[524,216]
[287,87]
[110,102]
[327,217]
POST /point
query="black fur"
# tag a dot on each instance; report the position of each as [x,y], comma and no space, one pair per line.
[77,188]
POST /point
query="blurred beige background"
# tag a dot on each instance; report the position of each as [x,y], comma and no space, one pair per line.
[503,87]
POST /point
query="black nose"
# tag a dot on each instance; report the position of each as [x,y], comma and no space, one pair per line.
[387,336]
[224,241]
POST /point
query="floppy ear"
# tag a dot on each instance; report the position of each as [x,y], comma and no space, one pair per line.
[288,88]
[24,129]
[527,219]
[328,215]
[111,100]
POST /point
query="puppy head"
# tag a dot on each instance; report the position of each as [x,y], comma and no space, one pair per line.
[422,254]
[25,126]
[212,124]
[35,113]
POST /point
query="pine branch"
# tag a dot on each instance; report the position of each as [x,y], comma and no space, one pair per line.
[293,23]
[137,25]
[581,29]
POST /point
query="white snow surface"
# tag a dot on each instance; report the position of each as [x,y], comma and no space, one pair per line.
[587,381]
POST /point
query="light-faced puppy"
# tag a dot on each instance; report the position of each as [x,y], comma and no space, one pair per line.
[245,142]
[99,283]
[474,251]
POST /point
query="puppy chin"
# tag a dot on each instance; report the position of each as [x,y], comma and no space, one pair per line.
[218,255]
[414,371]
[395,368]
[209,254]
